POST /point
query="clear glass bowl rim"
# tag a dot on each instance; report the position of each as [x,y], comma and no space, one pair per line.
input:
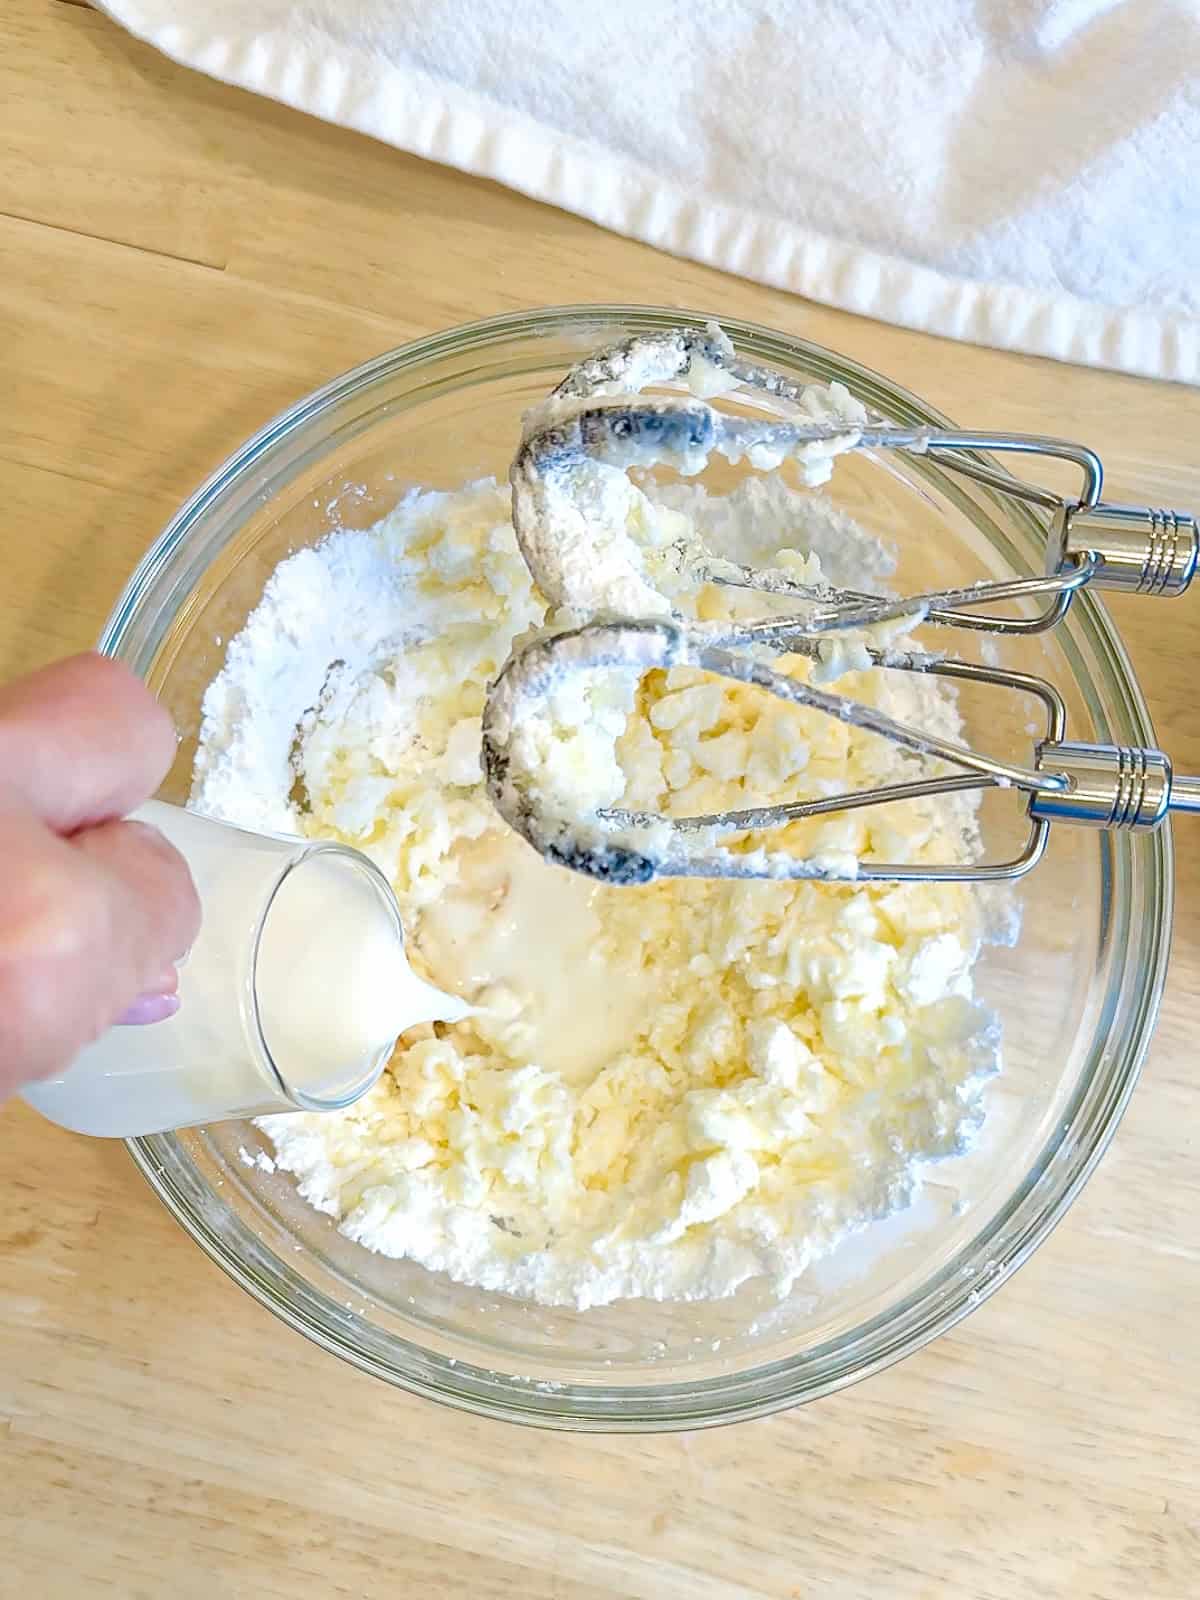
[1141,872]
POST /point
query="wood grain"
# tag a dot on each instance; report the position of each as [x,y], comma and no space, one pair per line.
[180,260]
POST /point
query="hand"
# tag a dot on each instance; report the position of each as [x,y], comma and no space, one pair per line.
[94,911]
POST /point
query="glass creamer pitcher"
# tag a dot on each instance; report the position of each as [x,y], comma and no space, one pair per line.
[291,998]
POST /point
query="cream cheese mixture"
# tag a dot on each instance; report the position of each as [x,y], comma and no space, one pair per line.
[664,1090]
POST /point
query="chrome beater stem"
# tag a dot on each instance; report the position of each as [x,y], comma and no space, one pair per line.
[1111,786]
[1133,549]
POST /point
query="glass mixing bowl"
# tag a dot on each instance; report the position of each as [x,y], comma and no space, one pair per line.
[1077,995]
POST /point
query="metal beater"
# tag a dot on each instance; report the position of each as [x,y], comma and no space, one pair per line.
[591,418]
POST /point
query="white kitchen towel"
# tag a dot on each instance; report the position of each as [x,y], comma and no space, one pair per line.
[1020,173]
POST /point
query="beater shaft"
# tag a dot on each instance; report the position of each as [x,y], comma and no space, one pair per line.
[1137,549]
[1111,786]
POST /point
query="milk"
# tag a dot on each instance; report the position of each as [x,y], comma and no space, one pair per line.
[291,998]
[333,982]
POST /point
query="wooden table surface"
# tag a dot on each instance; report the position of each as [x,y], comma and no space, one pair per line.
[178,261]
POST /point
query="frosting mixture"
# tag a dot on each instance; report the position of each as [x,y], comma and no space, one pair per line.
[664,1090]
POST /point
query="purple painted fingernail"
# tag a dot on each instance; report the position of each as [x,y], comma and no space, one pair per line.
[149,1008]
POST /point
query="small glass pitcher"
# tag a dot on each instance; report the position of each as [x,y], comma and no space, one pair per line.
[291,998]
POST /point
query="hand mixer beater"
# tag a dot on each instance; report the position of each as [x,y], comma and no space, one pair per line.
[615,618]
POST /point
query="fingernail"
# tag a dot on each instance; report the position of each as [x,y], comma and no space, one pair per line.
[149,1008]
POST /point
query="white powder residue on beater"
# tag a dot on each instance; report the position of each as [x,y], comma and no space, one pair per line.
[594,542]
[664,1091]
